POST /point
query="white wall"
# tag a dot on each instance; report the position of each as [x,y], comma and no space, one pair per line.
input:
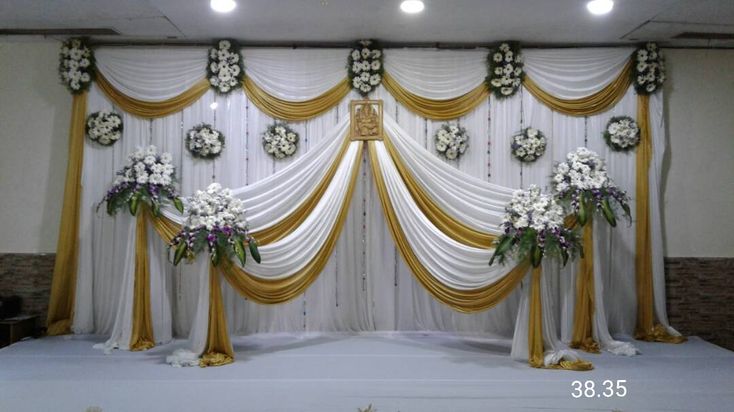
[698,171]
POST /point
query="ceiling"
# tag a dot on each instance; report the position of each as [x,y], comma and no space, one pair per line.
[448,22]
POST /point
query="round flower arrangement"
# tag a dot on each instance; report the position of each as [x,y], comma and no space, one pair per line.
[280,141]
[204,141]
[225,69]
[582,181]
[104,127]
[648,74]
[505,69]
[622,133]
[451,141]
[76,65]
[528,145]
[365,66]
[533,228]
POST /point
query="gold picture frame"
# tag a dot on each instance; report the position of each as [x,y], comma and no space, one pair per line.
[365,120]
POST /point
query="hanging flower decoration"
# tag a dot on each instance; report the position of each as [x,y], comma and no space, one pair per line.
[582,181]
[505,69]
[104,127]
[280,141]
[648,74]
[534,228]
[76,65]
[204,141]
[365,66]
[225,69]
[451,141]
[622,133]
[528,145]
[215,222]
[148,178]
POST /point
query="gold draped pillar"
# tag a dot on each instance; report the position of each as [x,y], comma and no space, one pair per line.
[218,350]
[583,316]
[63,284]
[295,110]
[142,337]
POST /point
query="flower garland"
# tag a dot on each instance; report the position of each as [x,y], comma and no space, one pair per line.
[533,228]
[451,141]
[505,69]
[528,145]
[582,181]
[76,65]
[280,141]
[225,69]
[147,177]
[365,66]
[622,133]
[204,141]
[215,221]
[104,127]
[649,72]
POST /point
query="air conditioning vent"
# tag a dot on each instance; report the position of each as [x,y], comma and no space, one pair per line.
[704,36]
[59,32]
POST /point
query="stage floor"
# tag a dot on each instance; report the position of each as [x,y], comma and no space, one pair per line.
[339,372]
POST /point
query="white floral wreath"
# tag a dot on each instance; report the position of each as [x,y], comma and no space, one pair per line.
[622,133]
[280,141]
[451,141]
[528,145]
[76,65]
[225,69]
[204,141]
[104,127]
[365,66]
[505,69]
[649,71]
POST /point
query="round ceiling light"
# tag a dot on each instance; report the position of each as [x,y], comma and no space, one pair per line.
[223,6]
[412,6]
[600,7]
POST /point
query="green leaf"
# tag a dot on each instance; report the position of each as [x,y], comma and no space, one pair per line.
[180,253]
[253,250]
[239,250]
[134,204]
[156,209]
[178,204]
[582,216]
[215,256]
[564,255]
[110,208]
[608,213]
[536,256]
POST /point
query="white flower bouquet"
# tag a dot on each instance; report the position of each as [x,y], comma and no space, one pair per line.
[528,145]
[148,178]
[215,222]
[279,140]
[622,133]
[365,66]
[204,141]
[582,181]
[451,141]
[76,65]
[506,72]
[534,228]
[225,69]
[648,75]
[104,127]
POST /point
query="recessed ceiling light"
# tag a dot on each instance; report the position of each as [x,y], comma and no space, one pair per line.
[412,6]
[600,7]
[223,6]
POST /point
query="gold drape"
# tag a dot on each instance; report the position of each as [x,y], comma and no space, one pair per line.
[142,324]
[147,109]
[63,285]
[436,109]
[598,102]
[453,228]
[218,349]
[646,328]
[583,337]
[295,111]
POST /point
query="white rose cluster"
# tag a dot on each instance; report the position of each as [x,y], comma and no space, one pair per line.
[505,70]
[649,70]
[215,207]
[280,141]
[76,65]
[583,169]
[204,141]
[104,127]
[532,209]
[451,141]
[365,66]
[145,166]
[622,133]
[225,70]
[528,145]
